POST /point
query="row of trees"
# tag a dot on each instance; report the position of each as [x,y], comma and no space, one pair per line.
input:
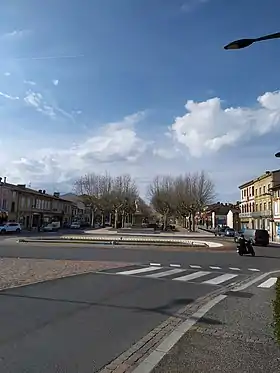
[181,197]
[177,197]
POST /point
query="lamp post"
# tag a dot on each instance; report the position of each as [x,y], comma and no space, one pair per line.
[243,43]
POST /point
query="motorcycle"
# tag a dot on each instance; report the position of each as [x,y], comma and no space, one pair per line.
[248,249]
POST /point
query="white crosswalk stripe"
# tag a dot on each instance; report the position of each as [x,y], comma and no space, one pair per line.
[268,283]
[137,271]
[213,277]
[220,279]
[166,273]
[192,276]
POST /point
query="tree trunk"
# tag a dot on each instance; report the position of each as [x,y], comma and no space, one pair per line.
[102,220]
[92,219]
[116,219]
[123,220]
[164,222]
[110,218]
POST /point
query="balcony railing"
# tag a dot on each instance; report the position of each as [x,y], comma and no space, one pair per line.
[262,214]
[245,214]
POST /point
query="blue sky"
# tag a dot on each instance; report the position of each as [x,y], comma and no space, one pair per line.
[97,85]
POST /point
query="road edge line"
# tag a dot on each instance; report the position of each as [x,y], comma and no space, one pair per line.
[148,364]
[252,282]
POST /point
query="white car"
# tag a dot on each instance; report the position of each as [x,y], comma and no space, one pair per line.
[75,225]
[10,227]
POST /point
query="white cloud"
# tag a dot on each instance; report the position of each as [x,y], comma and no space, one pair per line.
[207,137]
[7,73]
[15,34]
[207,127]
[35,100]
[116,143]
[190,5]
[29,82]
[55,82]
[8,96]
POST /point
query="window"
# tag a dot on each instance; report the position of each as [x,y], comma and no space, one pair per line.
[256,192]
[260,191]
[28,203]
[256,207]
[264,206]
[4,204]
[252,191]
[268,187]
[263,189]
[22,202]
[13,206]
[245,193]
[260,207]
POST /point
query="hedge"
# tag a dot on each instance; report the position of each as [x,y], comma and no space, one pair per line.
[276,311]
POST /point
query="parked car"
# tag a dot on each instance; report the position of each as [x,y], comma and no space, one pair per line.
[256,236]
[229,232]
[220,231]
[52,227]
[75,225]
[10,227]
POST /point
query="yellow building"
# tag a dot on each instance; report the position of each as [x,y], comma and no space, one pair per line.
[276,212]
[257,202]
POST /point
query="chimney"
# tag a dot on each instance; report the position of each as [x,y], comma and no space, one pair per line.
[40,190]
[5,180]
[44,192]
[56,194]
[0,179]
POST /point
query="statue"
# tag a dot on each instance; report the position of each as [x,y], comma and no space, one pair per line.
[136,202]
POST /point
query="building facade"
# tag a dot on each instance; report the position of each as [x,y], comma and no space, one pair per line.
[32,208]
[257,202]
[247,204]
[276,212]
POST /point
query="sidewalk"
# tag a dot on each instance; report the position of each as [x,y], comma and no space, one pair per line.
[236,336]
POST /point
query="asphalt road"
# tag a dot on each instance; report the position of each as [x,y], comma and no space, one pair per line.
[81,323]
[267,258]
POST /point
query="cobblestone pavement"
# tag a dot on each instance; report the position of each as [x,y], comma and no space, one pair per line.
[18,272]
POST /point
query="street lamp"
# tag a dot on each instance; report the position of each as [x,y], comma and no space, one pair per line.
[243,43]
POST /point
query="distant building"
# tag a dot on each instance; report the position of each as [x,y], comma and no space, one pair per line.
[257,202]
[32,208]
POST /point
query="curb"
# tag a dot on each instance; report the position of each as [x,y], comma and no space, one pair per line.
[116,242]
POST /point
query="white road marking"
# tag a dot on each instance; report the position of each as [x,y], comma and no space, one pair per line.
[196,267]
[268,283]
[166,273]
[136,271]
[174,265]
[155,264]
[215,267]
[220,279]
[192,276]
[147,365]
[253,269]
[234,269]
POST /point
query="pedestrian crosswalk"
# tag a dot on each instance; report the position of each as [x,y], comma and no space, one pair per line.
[207,277]
[211,275]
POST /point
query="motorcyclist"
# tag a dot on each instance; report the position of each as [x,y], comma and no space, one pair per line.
[242,243]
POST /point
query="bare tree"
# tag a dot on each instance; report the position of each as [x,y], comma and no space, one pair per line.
[93,189]
[183,197]
[123,195]
[161,194]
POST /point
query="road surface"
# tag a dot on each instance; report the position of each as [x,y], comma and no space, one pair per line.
[80,324]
